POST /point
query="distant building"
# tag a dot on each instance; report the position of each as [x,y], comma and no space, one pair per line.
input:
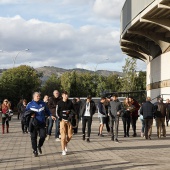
[145,35]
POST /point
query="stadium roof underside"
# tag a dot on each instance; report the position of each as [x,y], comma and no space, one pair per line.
[145,31]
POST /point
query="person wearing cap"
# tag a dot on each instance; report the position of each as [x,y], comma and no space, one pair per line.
[40,109]
[87,112]
[65,110]
[115,111]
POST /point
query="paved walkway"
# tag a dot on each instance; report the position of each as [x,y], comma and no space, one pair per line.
[101,153]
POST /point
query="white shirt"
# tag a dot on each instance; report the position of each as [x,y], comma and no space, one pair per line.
[87,112]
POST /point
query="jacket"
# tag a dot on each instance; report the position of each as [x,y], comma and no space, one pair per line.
[65,110]
[147,110]
[115,107]
[101,110]
[92,108]
[52,103]
[160,110]
[136,108]
[40,110]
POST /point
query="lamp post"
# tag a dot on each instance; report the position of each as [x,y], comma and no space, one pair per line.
[14,58]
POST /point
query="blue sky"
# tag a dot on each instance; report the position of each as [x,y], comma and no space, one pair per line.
[62,33]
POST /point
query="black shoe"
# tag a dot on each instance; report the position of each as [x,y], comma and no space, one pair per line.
[112,138]
[127,134]
[35,153]
[101,135]
[98,134]
[124,136]
[88,140]
[39,150]
[116,141]
[149,138]
[134,135]
[83,137]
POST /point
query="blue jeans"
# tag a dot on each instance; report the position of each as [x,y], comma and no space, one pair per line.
[50,126]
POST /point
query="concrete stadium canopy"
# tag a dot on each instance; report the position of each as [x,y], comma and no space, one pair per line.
[145,30]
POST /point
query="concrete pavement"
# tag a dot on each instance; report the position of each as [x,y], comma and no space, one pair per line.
[101,153]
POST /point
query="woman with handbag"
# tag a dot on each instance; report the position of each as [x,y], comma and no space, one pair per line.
[5,117]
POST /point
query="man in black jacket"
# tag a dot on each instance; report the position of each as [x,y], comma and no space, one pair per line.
[147,110]
[65,112]
[87,112]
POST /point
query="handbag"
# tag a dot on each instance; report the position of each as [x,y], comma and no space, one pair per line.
[4,115]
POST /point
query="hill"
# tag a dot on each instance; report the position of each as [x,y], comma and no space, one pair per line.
[48,71]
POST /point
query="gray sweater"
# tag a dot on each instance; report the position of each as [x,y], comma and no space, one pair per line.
[115,106]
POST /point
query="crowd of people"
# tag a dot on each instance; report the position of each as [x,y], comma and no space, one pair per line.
[39,116]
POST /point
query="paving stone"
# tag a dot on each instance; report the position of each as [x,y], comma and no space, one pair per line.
[101,153]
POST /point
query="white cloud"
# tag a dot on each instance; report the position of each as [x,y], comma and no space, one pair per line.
[108,9]
[58,44]
[63,33]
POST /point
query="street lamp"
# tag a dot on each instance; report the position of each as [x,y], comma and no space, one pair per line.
[98,64]
[14,59]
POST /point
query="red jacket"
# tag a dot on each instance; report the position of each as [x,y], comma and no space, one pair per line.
[137,106]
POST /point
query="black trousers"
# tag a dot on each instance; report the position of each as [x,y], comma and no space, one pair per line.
[5,120]
[107,123]
[23,127]
[86,120]
[133,122]
[126,125]
[34,134]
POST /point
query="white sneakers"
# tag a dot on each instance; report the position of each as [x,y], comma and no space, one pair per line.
[57,140]
[66,149]
[48,137]
[63,153]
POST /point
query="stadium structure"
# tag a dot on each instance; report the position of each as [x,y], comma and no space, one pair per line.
[145,35]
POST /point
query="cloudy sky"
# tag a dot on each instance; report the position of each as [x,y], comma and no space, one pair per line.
[62,33]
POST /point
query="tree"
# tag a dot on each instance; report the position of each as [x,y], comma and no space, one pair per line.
[113,83]
[53,83]
[129,75]
[19,82]
[140,80]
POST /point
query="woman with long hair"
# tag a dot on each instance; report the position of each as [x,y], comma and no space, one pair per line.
[5,118]
[126,116]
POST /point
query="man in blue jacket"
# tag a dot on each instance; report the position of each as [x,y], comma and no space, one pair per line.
[37,122]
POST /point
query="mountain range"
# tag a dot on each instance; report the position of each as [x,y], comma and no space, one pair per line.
[49,70]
